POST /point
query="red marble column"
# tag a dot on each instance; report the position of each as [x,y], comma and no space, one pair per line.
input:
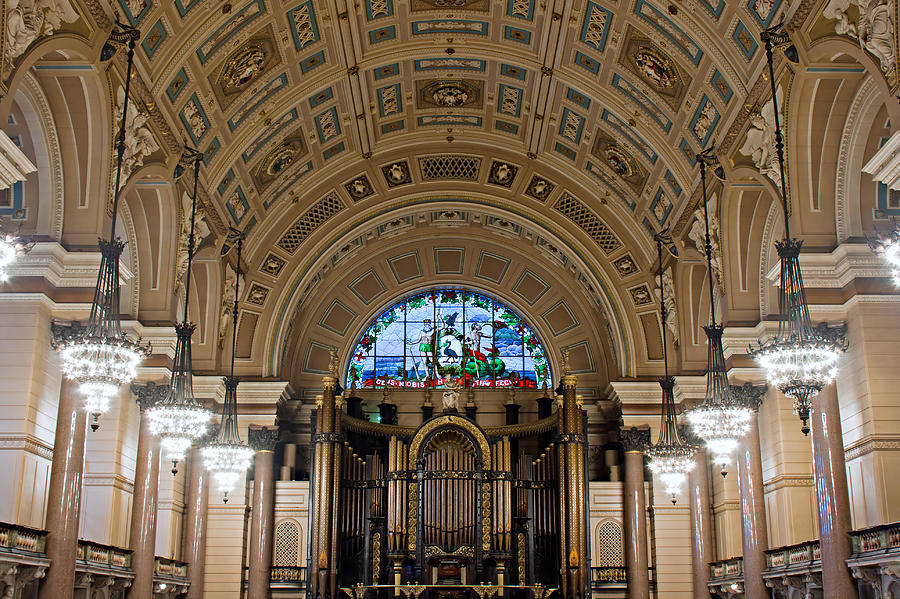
[832,499]
[142,536]
[262,520]
[193,540]
[635,507]
[701,525]
[753,513]
[64,495]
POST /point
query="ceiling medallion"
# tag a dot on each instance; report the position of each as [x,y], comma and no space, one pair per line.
[359,188]
[502,174]
[279,159]
[243,67]
[655,67]
[451,96]
[539,188]
[618,162]
[396,174]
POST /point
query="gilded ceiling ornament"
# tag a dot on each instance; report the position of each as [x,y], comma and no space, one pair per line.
[396,174]
[539,188]
[450,96]
[359,188]
[242,68]
[279,159]
[655,67]
[618,162]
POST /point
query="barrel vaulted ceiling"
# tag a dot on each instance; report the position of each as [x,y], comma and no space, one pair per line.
[326,125]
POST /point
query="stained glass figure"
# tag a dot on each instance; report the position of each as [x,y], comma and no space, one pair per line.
[449,336]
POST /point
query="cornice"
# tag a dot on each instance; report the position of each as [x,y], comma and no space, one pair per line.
[837,269]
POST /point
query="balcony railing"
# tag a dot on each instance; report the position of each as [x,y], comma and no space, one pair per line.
[104,556]
[727,569]
[801,554]
[878,538]
[603,575]
[288,574]
[16,538]
[166,567]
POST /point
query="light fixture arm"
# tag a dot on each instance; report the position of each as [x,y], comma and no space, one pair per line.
[132,35]
[234,310]
[771,37]
[662,306]
[196,158]
[712,295]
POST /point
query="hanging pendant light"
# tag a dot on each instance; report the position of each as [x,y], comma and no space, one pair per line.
[228,458]
[179,419]
[99,356]
[801,360]
[721,420]
[671,458]
[11,246]
[888,247]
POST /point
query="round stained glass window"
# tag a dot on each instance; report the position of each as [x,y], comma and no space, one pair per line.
[444,335]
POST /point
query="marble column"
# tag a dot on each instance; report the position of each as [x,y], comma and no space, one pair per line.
[701,525]
[753,512]
[832,499]
[142,535]
[64,494]
[635,507]
[262,519]
[193,540]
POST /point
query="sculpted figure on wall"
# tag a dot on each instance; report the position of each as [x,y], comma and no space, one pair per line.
[760,143]
[671,304]
[139,141]
[874,28]
[697,234]
[227,301]
[28,20]
[201,232]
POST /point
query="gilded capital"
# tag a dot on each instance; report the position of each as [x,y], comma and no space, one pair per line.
[262,438]
[569,381]
[634,439]
[749,394]
[147,394]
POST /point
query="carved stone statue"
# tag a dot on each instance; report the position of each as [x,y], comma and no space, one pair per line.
[28,20]
[671,310]
[873,29]
[697,234]
[760,144]
[450,397]
[201,232]
[227,301]
[139,141]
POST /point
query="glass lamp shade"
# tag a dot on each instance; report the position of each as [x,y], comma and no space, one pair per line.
[720,421]
[801,360]
[179,419]
[228,463]
[671,458]
[671,463]
[8,253]
[721,427]
[888,247]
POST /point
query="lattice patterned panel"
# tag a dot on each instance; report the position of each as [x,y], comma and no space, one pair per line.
[450,167]
[317,214]
[287,543]
[609,541]
[585,218]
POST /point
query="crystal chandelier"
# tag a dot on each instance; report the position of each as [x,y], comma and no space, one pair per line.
[801,360]
[671,458]
[888,247]
[721,420]
[179,419]
[227,458]
[98,356]
[10,247]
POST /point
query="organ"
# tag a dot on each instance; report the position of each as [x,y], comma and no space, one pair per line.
[448,504]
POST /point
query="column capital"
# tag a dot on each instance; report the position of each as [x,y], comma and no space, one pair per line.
[635,439]
[262,438]
[749,394]
[148,393]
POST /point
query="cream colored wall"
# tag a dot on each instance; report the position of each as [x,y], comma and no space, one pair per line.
[726,511]
[29,395]
[670,542]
